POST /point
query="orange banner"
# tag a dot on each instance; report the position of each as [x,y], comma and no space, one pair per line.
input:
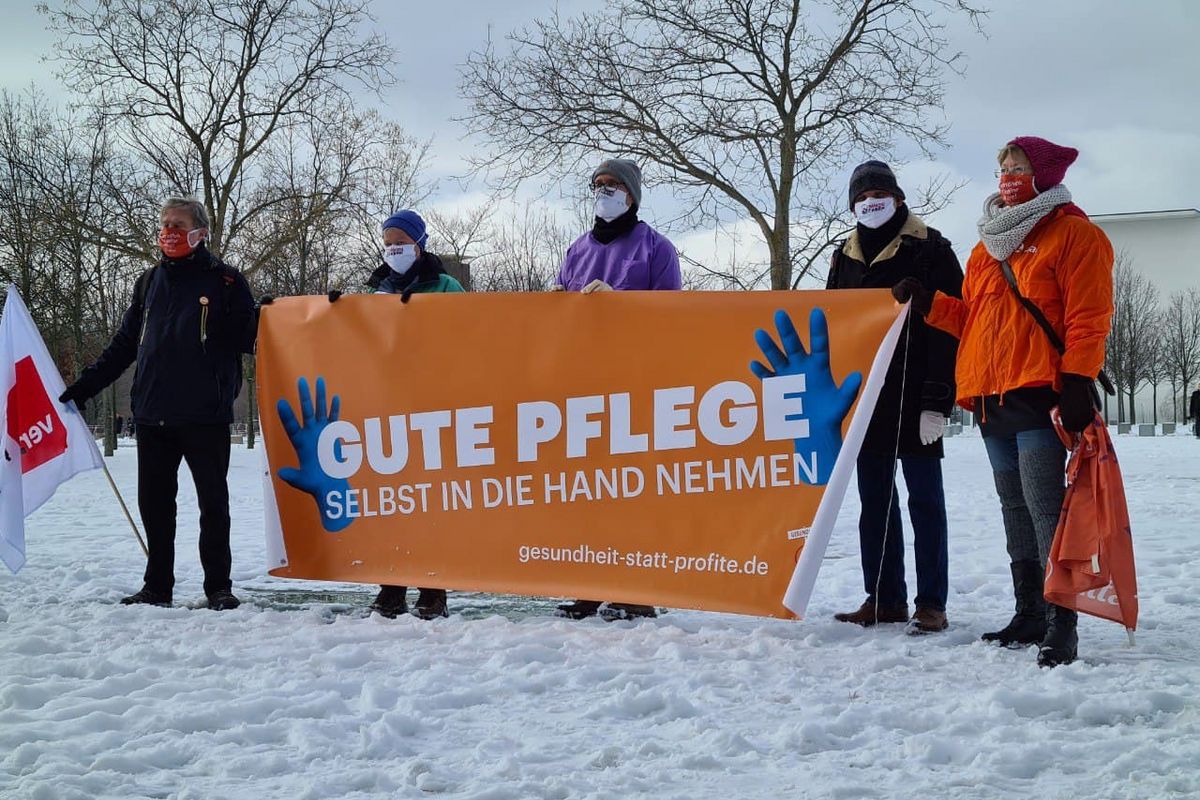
[618,446]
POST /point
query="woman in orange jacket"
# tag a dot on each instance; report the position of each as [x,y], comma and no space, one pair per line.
[1011,375]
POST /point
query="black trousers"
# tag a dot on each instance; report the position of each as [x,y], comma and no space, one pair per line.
[205,448]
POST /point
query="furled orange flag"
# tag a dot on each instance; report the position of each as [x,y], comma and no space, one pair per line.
[1091,568]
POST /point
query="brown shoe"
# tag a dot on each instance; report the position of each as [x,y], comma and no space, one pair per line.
[927,620]
[869,613]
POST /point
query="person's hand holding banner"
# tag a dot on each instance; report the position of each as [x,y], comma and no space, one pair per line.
[310,478]
[826,404]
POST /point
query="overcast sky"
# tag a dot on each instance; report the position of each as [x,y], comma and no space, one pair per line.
[1114,78]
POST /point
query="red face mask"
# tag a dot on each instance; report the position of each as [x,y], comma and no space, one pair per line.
[1017,189]
[176,243]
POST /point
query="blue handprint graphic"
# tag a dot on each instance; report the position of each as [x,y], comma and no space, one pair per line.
[310,478]
[826,403]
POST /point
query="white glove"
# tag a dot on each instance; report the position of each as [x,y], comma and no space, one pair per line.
[933,426]
[597,286]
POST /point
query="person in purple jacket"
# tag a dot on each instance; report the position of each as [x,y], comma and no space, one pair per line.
[620,252]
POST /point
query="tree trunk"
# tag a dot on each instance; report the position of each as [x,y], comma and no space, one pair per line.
[110,419]
[781,262]
[1132,408]
[251,404]
[1154,400]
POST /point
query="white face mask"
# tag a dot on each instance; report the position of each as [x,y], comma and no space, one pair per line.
[610,203]
[875,211]
[400,257]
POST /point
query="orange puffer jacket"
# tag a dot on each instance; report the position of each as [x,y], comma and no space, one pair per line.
[1065,267]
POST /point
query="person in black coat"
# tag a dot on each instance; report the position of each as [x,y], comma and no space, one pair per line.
[189,321]
[890,243]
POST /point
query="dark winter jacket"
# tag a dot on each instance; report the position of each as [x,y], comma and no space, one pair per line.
[917,251]
[1194,405]
[426,275]
[187,326]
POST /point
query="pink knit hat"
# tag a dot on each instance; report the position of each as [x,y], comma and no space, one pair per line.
[1049,160]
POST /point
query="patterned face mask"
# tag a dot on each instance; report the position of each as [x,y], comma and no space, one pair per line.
[400,257]
[1017,189]
[872,212]
[610,203]
[176,243]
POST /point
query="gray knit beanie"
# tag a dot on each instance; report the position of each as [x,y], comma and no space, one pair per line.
[626,171]
[874,175]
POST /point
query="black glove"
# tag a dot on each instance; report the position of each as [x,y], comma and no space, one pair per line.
[334,294]
[74,393]
[912,289]
[266,300]
[1075,404]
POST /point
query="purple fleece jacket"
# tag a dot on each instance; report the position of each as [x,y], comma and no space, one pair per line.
[641,259]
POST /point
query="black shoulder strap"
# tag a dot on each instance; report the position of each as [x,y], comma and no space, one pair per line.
[142,286]
[1044,323]
[1038,316]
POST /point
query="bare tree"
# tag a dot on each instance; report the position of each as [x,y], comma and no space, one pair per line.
[749,107]
[460,235]
[1154,359]
[201,88]
[1135,305]
[57,169]
[392,182]
[522,254]
[1181,342]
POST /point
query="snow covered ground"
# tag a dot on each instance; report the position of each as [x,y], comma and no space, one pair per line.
[295,696]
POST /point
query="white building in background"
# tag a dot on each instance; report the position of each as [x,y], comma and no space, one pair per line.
[1165,247]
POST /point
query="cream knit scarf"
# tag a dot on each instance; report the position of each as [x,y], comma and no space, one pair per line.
[1003,228]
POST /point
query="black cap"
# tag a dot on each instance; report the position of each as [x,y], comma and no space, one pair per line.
[874,175]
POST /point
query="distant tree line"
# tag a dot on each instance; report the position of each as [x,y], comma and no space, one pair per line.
[1152,344]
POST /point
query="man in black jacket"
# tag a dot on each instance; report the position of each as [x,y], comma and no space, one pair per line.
[890,243]
[190,319]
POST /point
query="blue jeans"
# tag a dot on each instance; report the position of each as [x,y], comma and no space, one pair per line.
[881,534]
[1028,470]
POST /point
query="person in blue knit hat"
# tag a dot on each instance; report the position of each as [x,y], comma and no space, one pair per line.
[407,269]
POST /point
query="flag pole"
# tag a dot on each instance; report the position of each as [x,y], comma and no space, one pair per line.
[125,508]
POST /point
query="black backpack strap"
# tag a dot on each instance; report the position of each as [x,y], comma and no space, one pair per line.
[1044,323]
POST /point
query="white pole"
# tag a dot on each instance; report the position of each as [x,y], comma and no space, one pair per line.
[125,508]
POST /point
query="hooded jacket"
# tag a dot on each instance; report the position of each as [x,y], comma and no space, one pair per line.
[1065,267]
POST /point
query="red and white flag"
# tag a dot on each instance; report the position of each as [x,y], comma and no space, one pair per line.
[45,442]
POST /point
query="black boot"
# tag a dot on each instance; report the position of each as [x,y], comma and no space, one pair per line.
[1028,625]
[612,612]
[390,602]
[579,609]
[1061,644]
[149,597]
[431,603]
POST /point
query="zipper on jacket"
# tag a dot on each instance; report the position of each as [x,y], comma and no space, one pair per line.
[145,323]
[203,323]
